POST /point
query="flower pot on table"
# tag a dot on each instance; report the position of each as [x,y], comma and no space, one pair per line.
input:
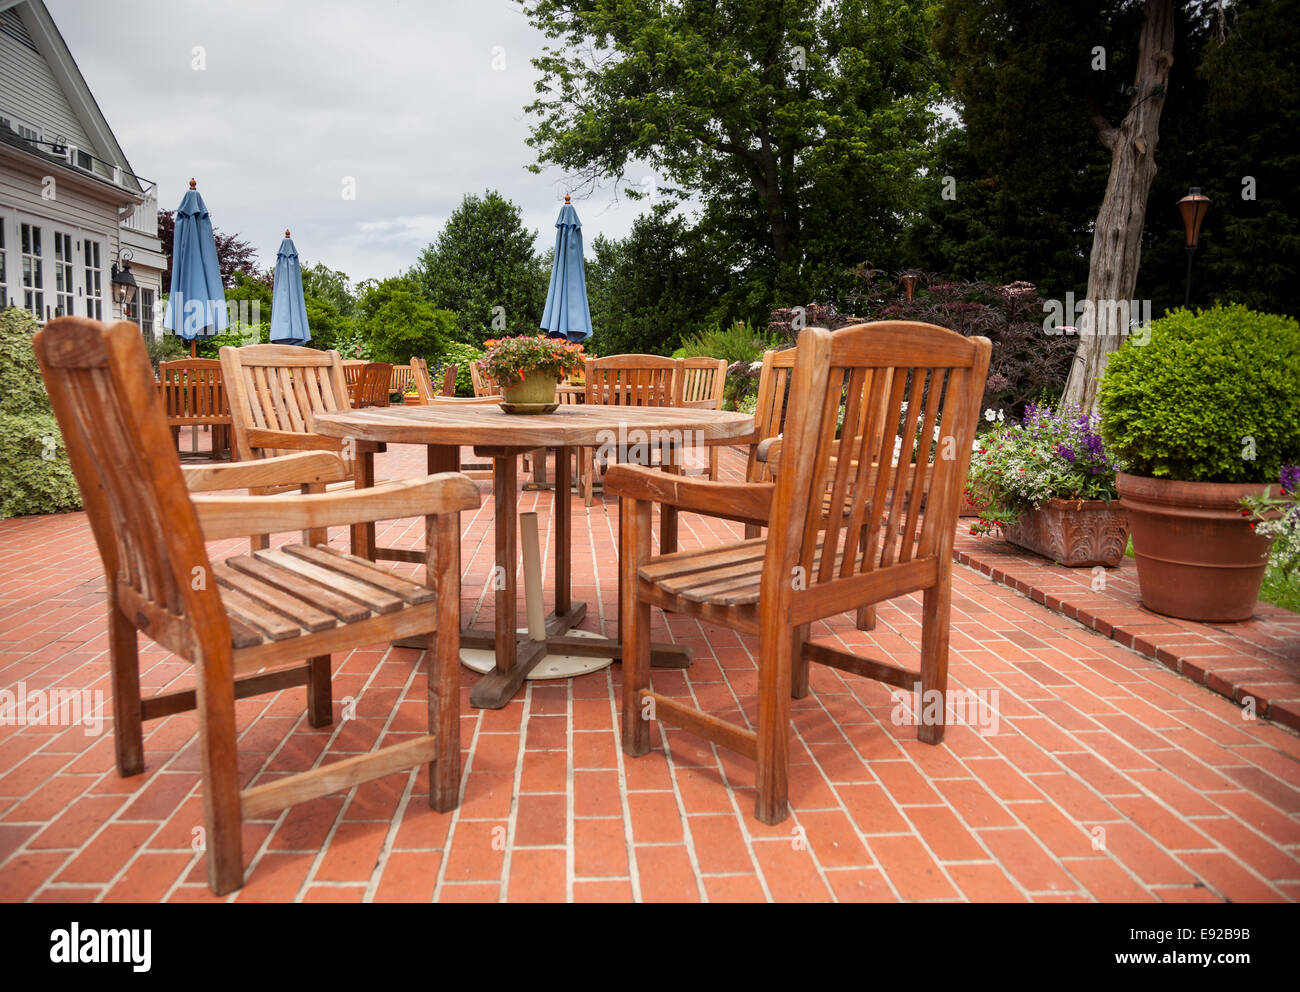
[534,390]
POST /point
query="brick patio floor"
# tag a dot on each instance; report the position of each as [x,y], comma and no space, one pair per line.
[1110,777]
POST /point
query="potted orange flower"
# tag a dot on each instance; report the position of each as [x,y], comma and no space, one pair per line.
[529,368]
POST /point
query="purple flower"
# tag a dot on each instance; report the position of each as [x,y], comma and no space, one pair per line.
[1290,479]
[1065,452]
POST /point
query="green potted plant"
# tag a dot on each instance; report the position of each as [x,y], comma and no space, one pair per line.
[529,368]
[1049,485]
[1204,415]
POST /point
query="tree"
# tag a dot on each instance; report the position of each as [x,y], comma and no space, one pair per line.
[653,287]
[1117,238]
[234,254]
[484,267]
[799,124]
[399,323]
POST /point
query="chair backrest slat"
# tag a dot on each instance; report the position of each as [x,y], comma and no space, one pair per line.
[880,420]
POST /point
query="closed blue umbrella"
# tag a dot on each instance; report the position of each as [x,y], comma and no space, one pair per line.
[567,314]
[196,305]
[288,307]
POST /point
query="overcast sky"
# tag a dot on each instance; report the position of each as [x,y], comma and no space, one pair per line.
[400,95]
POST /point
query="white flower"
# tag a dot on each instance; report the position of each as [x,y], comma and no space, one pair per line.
[990,415]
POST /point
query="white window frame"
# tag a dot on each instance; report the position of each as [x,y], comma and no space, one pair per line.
[93,275]
[33,294]
[64,261]
[5,239]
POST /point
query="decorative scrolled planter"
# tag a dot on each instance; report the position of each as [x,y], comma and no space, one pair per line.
[1075,533]
[1197,557]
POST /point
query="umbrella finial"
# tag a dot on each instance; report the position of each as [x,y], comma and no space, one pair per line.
[193,184]
[566,197]
[286,232]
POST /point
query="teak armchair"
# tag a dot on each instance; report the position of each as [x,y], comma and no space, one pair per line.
[194,395]
[703,383]
[424,384]
[247,623]
[845,528]
[373,385]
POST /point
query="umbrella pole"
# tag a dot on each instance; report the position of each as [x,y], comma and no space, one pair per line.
[194,348]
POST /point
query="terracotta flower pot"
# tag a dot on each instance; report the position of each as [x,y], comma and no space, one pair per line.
[1078,533]
[1197,558]
[533,390]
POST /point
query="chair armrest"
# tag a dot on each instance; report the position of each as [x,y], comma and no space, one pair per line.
[261,438]
[244,516]
[748,502]
[284,470]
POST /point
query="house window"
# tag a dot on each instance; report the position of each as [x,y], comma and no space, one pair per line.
[94,281]
[146,313]
[33,274]
[63,262]
[20,127]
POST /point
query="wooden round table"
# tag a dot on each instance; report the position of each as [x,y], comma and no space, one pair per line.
[627,434]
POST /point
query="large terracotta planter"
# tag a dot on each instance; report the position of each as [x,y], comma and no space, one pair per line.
[1197,558]
[1078,533]
[535,389]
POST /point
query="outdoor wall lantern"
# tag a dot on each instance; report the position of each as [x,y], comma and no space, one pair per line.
[124,285]
[1194,206]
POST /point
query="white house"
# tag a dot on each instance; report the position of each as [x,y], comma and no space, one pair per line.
[71,207]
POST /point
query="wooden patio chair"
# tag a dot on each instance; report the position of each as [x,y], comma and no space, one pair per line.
[246,624]
[372,385]
[352,374]
[703,383]
[639,380]
[194,396]
[484,384]
[828,492]
[402,376]
[424,384]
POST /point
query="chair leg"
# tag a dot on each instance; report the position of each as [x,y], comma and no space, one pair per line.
[219,771]
[320,695]
[259,542]
[713,462]
[867,617]
[752,531]
[442,661]
[798,663]
[771,805]
[588,474]
[936,612]
[634,625]
[128,732]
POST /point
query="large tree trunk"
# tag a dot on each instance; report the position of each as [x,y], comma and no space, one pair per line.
[1117,239]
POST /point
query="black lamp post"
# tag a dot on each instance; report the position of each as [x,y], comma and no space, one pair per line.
[124,285]
[1194,206]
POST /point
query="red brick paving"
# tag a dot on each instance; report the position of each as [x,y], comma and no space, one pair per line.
[1258,659]
[1109,777]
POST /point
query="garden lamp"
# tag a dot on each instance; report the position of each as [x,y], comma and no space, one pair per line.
[1194,206]
[910,279]
[124,285]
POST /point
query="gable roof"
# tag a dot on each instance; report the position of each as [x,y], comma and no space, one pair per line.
[45,37]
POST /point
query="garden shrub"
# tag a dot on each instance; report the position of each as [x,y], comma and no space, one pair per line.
[1027,365]
[459,355]
[35,476]
[1214,396]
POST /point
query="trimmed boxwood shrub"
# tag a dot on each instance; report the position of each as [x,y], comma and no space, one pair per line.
[1212,397]
[35,476]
